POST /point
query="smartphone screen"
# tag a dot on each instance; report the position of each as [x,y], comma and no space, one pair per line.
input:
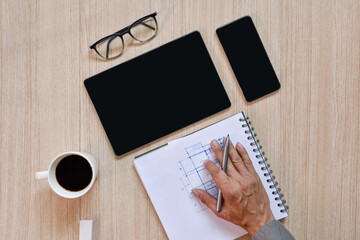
[248,59]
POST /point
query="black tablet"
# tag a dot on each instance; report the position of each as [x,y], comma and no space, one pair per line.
[157,93]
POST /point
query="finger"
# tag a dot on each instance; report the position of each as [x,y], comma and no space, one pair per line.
[245,157]
[236,159]
[208,200]
[205,198]
[218,151]
[220,177]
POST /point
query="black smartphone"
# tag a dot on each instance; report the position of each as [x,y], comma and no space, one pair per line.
[248,59]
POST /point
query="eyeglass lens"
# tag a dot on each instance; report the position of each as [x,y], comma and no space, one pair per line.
[144,30]
[110,47]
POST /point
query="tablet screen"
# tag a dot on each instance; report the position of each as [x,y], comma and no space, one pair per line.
[157,93]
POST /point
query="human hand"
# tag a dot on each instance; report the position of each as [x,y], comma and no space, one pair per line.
[245,202]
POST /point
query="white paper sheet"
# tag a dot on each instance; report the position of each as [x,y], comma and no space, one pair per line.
[169,174]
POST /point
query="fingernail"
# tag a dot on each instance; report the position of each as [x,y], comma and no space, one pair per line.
[240,146]
[206,162]
[195,192]
[215,143]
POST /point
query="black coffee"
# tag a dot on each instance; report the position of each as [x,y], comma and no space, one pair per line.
[73,173]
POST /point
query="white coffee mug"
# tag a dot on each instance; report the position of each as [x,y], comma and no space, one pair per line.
[50,174]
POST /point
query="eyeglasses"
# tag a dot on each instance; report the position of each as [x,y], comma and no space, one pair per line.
[141,30]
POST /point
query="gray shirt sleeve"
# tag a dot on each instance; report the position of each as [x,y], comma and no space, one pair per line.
[273,230]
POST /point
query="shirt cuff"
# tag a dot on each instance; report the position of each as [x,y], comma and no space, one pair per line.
[271,231]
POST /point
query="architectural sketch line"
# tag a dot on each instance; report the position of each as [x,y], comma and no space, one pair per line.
[193,173]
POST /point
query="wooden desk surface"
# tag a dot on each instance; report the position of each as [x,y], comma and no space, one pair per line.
[309,129]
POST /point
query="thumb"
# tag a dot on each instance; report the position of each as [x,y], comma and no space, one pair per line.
[205,198]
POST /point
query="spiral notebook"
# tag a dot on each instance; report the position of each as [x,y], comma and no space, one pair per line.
[169,173]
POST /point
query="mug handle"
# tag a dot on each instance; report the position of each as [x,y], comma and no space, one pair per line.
[42,175]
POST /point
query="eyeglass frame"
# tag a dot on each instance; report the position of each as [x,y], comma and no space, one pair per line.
[126,30]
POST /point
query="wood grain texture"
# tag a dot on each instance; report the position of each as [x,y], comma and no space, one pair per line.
[309,129]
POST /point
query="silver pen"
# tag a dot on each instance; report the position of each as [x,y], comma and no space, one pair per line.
[224,168]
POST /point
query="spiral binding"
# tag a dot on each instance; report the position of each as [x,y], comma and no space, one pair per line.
[264,165]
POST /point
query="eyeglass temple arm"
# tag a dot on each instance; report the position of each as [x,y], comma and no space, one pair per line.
[148,25]
[108,45]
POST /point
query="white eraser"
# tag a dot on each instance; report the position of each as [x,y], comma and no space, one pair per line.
[86,230]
